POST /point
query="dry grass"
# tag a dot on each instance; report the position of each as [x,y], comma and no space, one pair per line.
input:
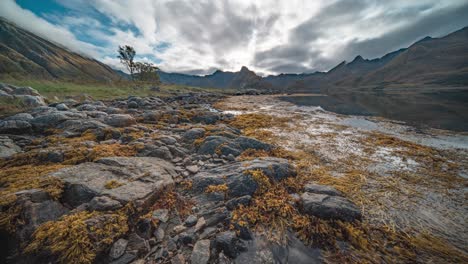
[75,239]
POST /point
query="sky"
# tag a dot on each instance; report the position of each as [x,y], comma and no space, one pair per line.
[269,37]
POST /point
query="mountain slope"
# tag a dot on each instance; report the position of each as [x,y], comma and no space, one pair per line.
[25,55]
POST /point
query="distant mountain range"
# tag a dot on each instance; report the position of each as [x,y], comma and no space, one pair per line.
[25,55]
[430,61]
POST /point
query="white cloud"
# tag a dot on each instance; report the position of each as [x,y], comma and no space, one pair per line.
[267,36]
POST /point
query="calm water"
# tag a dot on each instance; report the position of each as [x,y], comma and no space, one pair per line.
[437,109]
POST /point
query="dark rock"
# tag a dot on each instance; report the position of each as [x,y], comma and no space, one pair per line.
[168,140]
[103,203]
[228,243]
[125,259]
[62,107]
[192,134]
[136,243]
[329,207]
[132,104]
[235,175]
[55,156]
[186,238]
[233,203]
[15,127]
[20,116]
[191,220]
[321,189]
[154,151]
[52,120]
[201,252]
[211,144]
[144,228]
[118,248]
[76,194]
[208,118]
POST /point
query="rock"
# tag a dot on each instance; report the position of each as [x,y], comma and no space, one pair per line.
[192,134]
[161,215]
[191,220]
[103,203]
[178,259]
[62,107]
[225,146]
[168,140]
[329,207]
[81,125]
[132,104]
[144,228]
[208,118]
[152,116]
[154,151]
[138,179]
[15,127]
[136,243]
[119,120]
[235,175]
[193,169]
[200,225]
[321,189]
[201,252]
[36,213]
[51,120]
[178,229]
[21,116]
[227,242]
[118,248]
[125,259]
[7,147]
[233,203]
[31,100]
[159,234]
[186,238]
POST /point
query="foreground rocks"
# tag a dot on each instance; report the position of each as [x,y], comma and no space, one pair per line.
[169,167]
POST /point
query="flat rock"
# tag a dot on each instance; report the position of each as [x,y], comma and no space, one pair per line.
[118,248]
[321,189]
[8,147]
[201,252]
[119,120]
[15,127]
[137,178]
[329,207]
[235,175]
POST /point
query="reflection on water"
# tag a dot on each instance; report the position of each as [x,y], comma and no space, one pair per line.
[437,109]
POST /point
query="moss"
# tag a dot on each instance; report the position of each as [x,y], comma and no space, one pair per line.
[75,239]
[221,188]
[112,184]
[174,202]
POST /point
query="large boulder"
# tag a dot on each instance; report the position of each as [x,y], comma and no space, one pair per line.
[53,119]
[329,207]
[193,134]
[237,178]
[15,127]
[124,179]
[119,120]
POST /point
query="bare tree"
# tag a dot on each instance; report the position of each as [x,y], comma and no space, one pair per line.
[126,56]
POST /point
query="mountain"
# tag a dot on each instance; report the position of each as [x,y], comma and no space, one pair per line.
[430,61]
[243,79]
[26,55]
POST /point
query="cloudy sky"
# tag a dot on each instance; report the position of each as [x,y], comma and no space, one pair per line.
[269,37]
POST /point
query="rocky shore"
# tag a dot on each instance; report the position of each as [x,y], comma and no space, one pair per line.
[155,180]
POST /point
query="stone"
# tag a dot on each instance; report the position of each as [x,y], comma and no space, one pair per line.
[154,151]
[8,147]
[53,119]
[168,140]
[159,234]
[136,243]
[200,225]
[227,146]
[81,125]
[193,169]
[193,134]
[186,238]
[119,120]
[191,220]
[103,203]
[118,248]
[62,107]
[144,228]
[330,207]
[235,175]
[31,100]
[140,179]
[15,127]
[227,242]
[201,252]
[20,116]
[125,259]
[161,215]
[132,104]
[178,259]
[321,189]
[178,229]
